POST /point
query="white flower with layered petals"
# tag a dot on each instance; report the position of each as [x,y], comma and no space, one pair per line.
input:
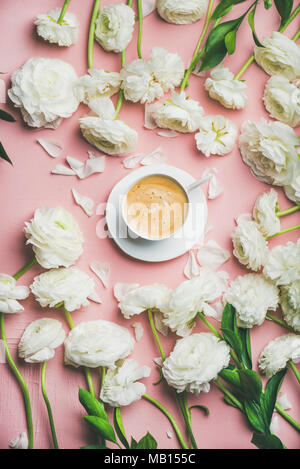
[252,295]
[217,135]
[69,287]
[178,113]
[278,352]
[40,339]
[290,304]
[282,100]
[43,89]
[167,68]
[249,245]
[113,137]
[10,293]
[178,12]
[279,56]
[192,296]
[114,27]
[97,84]
[292,190]
[269,149]
[139,299]
[195,361]
[222,87]
[121,386]
[97,343]
[282,265]
[55,237]
[63,34]
[264,213]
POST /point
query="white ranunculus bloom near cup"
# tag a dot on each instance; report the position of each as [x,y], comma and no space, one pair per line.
[64,33]
[43,90]
[222,87]
[40,339]
[249,245]
[140,299]
[10,293]
[55,237]
[114,27]
[178,12]
[216,136]
[282,100]
[278,352]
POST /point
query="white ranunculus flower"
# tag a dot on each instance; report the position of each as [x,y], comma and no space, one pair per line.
[139,299]
[264,213]
[113,137]
[167,68]
[178,12]
[282,100]
[121,386]
[292,190]
[114,27]
[69,287]
[290,304]
[278,352]
[269,149]
[138,82]
[97,84]
[192,296]
[279,56]
[217,135]
[40,339]
[195,361]
[55,237]
[97,343]
[10,293]
[222,87]
[249,245]
[178,113]
[43,89]
[252,295]
[282,265]
[63,34]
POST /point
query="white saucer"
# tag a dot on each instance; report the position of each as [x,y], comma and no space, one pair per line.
[166,249]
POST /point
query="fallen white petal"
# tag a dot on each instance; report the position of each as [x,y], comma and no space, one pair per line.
[2,352]
[138,330]
[2,91]
[94,297]
[84,202]
[76,165]
[121,289]
[52,148]
[149,122]
[102,270]
[131,161]
[214,187]
[92,165]
[214,310]
[148,6]
[156,156]
[167,133]
[191,268]
[64,170]
[274,426]
[169,433]
[284,402]
[212,255]
[19,442]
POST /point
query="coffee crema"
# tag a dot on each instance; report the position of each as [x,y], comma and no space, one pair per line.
[155,207]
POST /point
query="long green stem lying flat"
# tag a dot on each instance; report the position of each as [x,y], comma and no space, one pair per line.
[286,230]
[292,366]
[288,211]
[63,11]
[140,17]
[92,33]
[279,321]
[47,402]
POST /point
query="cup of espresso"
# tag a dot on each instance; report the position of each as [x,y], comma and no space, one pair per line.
[155,207]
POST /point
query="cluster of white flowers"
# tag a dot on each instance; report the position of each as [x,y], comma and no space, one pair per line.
[178,12]
[144,81]
[64,33]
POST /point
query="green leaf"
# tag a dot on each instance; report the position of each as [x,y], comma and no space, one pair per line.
[231,377]
[230,41]
[271,391]
[224,7]
[102,427]
[268,4]
[147,442]
[203,408]
[255,417]
[284,8]
[4,155]
[93,447]
[91,404]
[217,34]
[213,57]
[263,441]
[246,355]
[133,444]
[228,401]
[228,317]
[251,385]
[233,340]
[252,26]
[5,116]
[118,424]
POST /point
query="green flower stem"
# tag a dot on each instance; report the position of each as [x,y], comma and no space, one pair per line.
[281,30]
[287,417]
[227,393]
[288,211]
[295,37]
[87,370]
[92,33]
[47,402]
[279,321]
[63,11]
[292,366]
[21,382]
[153,328]
[24,269]
[197,56]
[170,417]
[286,230]
[140,17]
[217,334]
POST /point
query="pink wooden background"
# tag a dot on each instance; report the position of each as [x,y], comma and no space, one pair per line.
[28,185]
